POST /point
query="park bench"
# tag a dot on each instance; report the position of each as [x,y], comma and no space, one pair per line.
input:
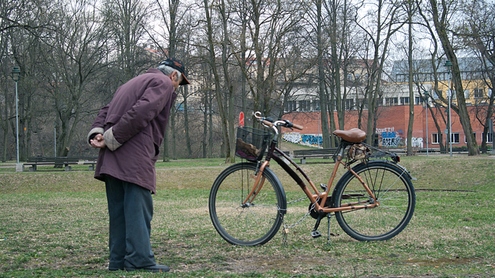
[403,151]
[431,150]
[58,162]
[91,161]
[307,153]
[396,150]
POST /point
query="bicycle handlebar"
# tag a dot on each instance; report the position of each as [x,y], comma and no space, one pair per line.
[268,122]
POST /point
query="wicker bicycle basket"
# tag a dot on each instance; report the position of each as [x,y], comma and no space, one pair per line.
[251,143]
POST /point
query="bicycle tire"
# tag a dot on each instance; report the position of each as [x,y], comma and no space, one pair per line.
[394,190]
[251,224]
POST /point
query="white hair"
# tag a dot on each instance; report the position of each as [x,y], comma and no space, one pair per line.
[169,70]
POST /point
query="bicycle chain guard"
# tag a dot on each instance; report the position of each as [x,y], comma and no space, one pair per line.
[315,213]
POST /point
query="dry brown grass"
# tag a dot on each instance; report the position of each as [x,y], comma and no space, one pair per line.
[54,224]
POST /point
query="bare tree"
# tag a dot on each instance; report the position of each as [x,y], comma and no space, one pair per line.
[410,8]
[249,55]
[477,32]
[73,56]
[441,11]
[211,59]
[271,24]
[127,22]
[175,34]
[322,91]
[20,22]
[6,23]
[434,47]
[380,24]
[340,29]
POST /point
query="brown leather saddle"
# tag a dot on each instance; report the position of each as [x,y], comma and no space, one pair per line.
[353,135]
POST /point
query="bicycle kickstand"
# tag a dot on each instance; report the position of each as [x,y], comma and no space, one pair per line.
[328,228]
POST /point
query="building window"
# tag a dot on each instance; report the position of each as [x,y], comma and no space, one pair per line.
[349,104]
[335,106]
[391,101]
[401,77]
[479,93]
[304,105]
[307,104]
[379,101]
[290,106]
[316,104]
[435,138]
[489,138]
[454,138]
[404,100]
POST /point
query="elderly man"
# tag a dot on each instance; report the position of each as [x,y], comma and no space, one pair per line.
[129,131]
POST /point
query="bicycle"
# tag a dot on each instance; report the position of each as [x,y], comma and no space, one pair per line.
[373,200]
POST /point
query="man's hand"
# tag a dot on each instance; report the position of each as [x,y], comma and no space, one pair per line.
[98,141]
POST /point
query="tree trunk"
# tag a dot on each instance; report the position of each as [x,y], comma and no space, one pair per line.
[222,110]
[410,82]
[321,80]
[461,108]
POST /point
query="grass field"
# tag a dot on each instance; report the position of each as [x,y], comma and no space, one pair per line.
[54,224]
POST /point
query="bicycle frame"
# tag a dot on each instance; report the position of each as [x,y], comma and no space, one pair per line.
[365,180]
[314,195]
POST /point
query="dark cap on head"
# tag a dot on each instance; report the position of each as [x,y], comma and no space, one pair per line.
[176,64]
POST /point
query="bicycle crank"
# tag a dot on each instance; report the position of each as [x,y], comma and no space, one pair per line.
[315,233]
[315,214]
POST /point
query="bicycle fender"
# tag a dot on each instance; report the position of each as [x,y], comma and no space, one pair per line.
[373,162]
[405,171]
[283,208]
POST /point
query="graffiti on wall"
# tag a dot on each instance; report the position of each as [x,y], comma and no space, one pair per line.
[392,139]
[312,139]
[303,139]
[389,138]
[292,137]
[416,142]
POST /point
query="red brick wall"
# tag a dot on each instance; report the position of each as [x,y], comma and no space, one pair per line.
[395,118]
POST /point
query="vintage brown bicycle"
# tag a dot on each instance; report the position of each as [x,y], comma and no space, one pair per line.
[373,200]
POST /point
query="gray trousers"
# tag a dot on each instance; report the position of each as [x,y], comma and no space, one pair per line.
[130,208]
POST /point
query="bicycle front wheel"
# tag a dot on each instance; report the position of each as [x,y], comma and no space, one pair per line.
[242,223]
[394,191]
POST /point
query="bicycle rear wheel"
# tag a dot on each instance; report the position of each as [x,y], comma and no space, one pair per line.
[392,187]
[246,223]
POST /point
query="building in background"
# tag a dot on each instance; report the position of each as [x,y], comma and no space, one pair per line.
[392,121]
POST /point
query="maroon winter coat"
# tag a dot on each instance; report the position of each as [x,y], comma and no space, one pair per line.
[137,117]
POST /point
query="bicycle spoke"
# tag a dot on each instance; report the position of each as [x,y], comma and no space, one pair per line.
[250,223]
[395,197]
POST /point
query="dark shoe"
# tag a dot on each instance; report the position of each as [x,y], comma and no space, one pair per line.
[115,268]
[153,268]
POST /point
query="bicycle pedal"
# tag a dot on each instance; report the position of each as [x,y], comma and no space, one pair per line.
[315,234]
